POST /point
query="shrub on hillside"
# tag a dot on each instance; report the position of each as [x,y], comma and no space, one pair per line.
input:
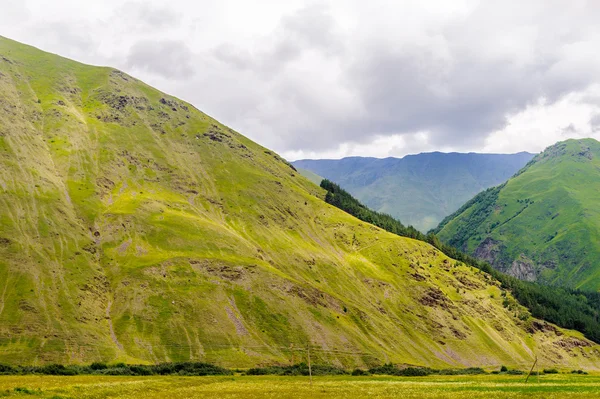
[188,368]
[578,372]
[515,372]
[386,369]
[467,371]
[98,366]
[56,369]
[297,369]
[390,369]
[6,369]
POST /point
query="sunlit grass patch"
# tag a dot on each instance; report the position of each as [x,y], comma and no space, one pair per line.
[463,387]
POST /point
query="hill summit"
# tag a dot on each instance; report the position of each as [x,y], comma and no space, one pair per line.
[543,224]
[135,228]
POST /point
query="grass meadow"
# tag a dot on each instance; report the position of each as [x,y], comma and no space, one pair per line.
[173,387]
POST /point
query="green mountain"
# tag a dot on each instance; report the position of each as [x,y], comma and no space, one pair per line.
[135,228]
[543,224]
[420,190]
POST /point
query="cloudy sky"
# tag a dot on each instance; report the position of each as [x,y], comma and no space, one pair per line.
[328,79]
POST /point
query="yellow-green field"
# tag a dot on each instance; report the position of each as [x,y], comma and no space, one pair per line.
[549,386]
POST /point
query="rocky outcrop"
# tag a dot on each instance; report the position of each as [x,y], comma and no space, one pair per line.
[489,250]
[523,269]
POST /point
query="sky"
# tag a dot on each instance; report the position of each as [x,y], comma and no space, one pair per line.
[329,79]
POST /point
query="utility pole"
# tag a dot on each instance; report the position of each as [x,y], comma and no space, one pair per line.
[531,371]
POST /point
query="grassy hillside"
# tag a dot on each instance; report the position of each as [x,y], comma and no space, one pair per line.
[544,223]
[566,307]
[418,189]
[133,227]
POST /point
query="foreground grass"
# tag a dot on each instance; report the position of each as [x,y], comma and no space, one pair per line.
[549,386]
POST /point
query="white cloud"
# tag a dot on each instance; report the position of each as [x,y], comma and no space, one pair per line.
[167,58]
[543,123]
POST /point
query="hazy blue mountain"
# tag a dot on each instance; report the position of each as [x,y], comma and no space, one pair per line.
[313,177]
[418,189]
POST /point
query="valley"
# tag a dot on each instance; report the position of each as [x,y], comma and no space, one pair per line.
[419,190]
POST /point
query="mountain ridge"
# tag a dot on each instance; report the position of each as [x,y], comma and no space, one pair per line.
[416,155]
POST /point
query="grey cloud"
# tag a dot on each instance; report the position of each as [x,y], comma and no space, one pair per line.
[309,29]
[315,27]
[167,58]
[459,94]
[344,73]
[568,130]
[229,54]
[71,36]
[402,92]
[145,17]
[595,123]
[317,81]
[287,109]
[15,11]
[267,64]
[459,82]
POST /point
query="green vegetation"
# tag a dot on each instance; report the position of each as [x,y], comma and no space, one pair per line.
[340,198]
[481,205]
[568,308]
[386,369]
[390,369]
[297,369]
[136,229]
[555,386]
[204,369]
[418,189]
[184,368]
[543,224]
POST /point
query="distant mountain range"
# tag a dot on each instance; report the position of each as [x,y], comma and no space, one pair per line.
[543,224]
[419,190]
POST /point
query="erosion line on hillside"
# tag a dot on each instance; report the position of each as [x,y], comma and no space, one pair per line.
[110,326]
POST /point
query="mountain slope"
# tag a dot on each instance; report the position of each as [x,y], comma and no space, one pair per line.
[420,190]
[544,223]
[134,227]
